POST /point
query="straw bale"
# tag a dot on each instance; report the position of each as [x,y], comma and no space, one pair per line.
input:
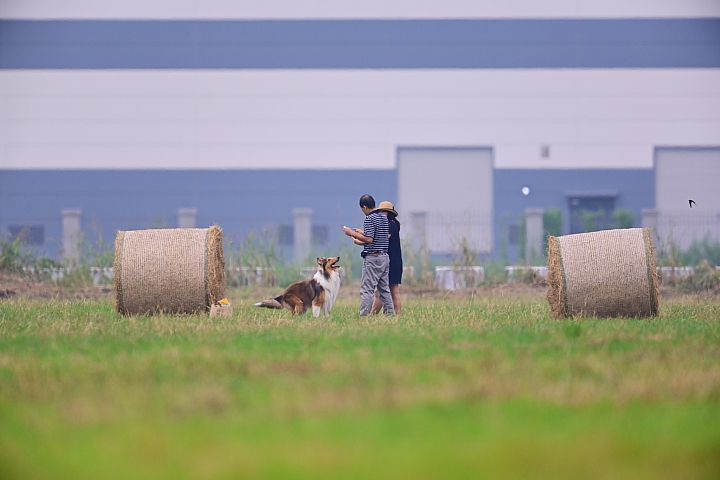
[610,273]
[180,270]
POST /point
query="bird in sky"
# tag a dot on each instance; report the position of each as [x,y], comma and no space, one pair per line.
[691,202]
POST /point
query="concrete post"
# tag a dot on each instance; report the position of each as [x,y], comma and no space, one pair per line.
[302,233]
[71,235]
[649,218]
[533,233]
[187,217]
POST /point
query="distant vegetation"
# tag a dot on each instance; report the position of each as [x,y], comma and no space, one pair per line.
[623,218]
[257,259]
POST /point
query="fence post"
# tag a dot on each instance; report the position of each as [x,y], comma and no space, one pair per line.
[302,233]
[533,233]
[70,235]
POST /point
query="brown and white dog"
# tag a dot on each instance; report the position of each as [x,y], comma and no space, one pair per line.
[320,291]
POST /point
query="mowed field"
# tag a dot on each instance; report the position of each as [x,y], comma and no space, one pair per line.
[476,386]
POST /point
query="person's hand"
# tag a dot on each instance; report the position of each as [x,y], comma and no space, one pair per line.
[347,231]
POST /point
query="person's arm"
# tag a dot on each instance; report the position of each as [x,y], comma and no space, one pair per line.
[357,235]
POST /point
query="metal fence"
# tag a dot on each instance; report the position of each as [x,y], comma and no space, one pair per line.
[680,231]
[452,231]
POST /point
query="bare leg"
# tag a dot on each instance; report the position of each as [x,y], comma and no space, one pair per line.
[377,304]
[397,301]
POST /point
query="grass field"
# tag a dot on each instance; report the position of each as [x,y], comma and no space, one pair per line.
[483,387]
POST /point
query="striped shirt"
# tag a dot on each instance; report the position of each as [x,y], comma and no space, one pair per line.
[376,226]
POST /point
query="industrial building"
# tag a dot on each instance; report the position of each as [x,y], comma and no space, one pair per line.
[466,115]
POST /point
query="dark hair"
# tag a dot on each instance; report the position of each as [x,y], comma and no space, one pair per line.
[367,201]
[393,218]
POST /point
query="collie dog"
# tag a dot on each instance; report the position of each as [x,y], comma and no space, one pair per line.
[320,291]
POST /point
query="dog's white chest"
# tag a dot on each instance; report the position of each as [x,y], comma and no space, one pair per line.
[331,286]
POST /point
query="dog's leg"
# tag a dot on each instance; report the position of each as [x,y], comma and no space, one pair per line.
[294,304]
[318,302]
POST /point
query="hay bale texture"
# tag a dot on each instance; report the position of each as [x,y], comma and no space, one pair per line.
[179,270]
[610,273]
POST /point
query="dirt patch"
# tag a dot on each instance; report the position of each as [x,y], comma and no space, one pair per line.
[19,286]
[498,289]
[675,293]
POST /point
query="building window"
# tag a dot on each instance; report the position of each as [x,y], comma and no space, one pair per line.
[28,234]
[320,235]
[544,151]
[285,235]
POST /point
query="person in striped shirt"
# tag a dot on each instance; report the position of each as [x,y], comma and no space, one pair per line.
[376,263]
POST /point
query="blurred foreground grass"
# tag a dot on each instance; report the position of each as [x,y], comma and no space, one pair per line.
[455,388]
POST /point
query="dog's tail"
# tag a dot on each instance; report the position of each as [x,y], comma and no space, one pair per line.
[270,303]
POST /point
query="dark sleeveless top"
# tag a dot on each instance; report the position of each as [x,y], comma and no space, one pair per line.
[395,254]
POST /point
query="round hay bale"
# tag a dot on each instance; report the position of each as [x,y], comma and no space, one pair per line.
[179,270]
[610,273]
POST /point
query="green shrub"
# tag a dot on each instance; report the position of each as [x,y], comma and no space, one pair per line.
[495,272]
[90,253]
[14,257]
[466,254]
[699,250]
[705,277]
[522,240]
[286,274]
[253,251]
[350,259]
[417,264]
[623,218]
[97,253]
[552,221]
[552,224]
[589,219]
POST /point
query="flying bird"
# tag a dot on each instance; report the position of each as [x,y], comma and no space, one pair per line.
[691,202]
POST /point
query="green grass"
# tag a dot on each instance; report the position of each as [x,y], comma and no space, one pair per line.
[455,388]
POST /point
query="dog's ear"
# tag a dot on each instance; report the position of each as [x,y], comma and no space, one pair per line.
[320,260]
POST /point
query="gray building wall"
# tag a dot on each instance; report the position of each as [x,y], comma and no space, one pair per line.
[684,174]
[634,189]
[240,201]
[453,189]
